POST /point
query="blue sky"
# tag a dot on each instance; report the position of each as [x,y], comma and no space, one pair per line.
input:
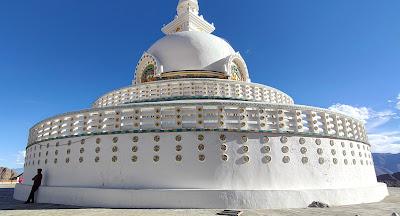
[59,56]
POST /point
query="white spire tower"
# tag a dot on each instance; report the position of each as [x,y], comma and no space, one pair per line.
[187,5]
[188,19]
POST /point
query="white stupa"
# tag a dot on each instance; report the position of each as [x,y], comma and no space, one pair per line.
[192,131]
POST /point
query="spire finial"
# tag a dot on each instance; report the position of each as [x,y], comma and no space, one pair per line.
[187,5]
[188,19]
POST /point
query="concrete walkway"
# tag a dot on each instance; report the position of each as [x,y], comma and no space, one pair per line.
[8,206]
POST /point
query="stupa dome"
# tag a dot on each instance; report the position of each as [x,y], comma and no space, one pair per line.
[190,50]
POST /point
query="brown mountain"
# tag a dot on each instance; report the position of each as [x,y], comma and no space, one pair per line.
[6,174]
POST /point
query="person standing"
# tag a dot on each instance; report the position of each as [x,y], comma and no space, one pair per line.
[37,181]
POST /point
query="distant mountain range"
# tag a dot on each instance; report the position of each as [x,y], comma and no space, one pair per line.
[6,174]
[391,180]
[387,168]
[386,163]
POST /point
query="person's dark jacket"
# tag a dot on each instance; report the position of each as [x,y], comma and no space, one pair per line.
[37,181]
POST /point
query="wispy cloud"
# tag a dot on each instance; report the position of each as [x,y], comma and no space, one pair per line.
[398,102]
[388,142]
[372,118]
[20,158]
[361,113]
[382,142]
[380,118]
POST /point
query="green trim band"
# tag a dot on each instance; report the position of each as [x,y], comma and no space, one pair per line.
[177,98]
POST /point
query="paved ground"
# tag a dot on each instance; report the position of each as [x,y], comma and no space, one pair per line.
[8,206]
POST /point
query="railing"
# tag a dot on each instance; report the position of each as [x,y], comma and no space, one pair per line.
[211,115]
[193,88]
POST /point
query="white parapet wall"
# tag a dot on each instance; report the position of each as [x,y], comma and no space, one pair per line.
[193,88]
[201,114]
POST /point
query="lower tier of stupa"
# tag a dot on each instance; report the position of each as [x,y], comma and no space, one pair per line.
[201,154]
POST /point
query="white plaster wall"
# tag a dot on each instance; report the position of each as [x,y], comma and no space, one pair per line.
[213,173]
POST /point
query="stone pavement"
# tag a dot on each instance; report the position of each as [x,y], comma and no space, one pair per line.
[8,206]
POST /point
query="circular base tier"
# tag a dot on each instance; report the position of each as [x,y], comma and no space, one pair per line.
[210,199]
